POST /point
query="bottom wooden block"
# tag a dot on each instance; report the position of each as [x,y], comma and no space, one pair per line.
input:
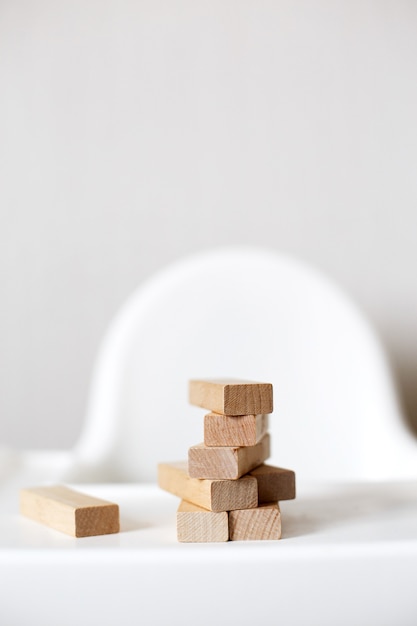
[69,511]
[196,525]
[253,524]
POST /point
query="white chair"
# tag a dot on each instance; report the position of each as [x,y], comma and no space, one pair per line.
[258,315]
[348,553]
[241,313]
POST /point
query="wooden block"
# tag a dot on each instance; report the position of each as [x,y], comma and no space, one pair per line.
[196,525]
[69,511]
[232,397]
[274,483]
[240,430]
[226,462]
[214,495]
[252,524]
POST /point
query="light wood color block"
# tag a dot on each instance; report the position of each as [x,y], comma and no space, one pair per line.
[240,430]
[196,525]
[253,524]
[226,462]
[214,495]
[274,483]
[232,397]
[69,511]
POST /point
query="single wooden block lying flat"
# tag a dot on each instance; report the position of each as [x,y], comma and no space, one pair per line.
[196,525]
[240,430]
[214,495]
[274,483]
[225,462]
[69,511]
[232,397]
[253,524]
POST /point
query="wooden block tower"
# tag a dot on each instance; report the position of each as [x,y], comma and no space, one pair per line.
[226,490]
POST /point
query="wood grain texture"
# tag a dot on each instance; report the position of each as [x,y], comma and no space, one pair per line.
[240,430]
[262,523]
[214,495]
[69,511]
[232,397]
[196,525]
[226,462]
[274,483]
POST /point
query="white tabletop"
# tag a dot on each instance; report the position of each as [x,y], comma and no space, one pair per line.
[350,547]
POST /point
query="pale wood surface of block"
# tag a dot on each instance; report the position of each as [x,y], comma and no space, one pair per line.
[196,525]
[226,462]
[262,523]
[236,430]
[69,511]
[274,483]
[214,495]
[232,397]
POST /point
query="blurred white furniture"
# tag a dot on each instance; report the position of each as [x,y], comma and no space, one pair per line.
[349,551]
[247,313]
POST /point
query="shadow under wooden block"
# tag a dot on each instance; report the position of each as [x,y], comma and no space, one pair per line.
[214,495]
[69,511]
[230,430]
[226,462]
[262,523]
[232,396]
[196,525]
[274,483]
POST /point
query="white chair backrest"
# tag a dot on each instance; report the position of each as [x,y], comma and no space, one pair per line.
[256,315]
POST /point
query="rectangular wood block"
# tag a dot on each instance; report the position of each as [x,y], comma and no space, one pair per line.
[274,483]
[196,525]
[262,523]
[69,511]
[226,462]
[232,397]
[239,430]
[214,495]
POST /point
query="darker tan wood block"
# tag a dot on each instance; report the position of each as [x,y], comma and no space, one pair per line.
[274,483]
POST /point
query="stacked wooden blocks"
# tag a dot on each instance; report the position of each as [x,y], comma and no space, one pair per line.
[227,491]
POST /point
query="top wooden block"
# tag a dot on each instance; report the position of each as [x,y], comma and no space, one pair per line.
[232,397]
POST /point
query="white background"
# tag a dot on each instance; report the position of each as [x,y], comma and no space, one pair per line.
[134,132]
